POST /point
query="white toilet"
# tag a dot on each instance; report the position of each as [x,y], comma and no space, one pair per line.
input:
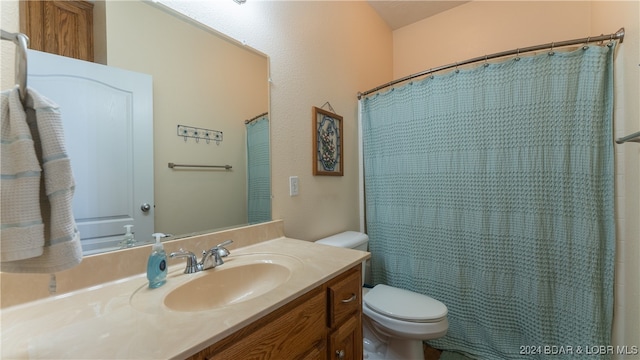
[395,320]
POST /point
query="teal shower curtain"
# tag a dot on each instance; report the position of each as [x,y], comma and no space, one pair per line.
[491,190]
[258,171]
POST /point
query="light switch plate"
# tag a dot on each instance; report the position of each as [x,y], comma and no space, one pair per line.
[293,185]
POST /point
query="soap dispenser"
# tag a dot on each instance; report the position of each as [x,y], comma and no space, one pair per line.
[128,240]
[157,264]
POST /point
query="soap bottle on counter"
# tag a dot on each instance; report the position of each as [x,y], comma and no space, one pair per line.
[157,264]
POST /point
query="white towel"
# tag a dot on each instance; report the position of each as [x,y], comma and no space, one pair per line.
[38,231]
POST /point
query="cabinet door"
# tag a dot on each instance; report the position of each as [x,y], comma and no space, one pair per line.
[317,353]
[59,27]
[293,335]
[345,343]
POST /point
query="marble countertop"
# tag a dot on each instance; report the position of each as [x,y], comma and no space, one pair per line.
[105,322]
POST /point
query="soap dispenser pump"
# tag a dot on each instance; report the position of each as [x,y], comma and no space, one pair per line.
[157,264]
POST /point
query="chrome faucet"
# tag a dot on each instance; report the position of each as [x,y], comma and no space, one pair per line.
[210,259]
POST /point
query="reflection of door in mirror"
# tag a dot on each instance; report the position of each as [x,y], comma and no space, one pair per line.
[107,115]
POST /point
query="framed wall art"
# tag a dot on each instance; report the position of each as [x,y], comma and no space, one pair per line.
[327,143]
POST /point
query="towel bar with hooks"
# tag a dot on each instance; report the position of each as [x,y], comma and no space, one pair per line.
[22,42]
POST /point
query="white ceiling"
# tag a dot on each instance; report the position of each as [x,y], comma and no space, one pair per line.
[399,13]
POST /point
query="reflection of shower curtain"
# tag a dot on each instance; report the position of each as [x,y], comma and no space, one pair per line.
[491,190]
[258,171]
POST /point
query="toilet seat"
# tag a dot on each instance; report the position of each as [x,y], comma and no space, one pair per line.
[404,305]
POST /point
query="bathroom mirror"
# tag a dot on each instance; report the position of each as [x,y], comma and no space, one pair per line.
[203,80]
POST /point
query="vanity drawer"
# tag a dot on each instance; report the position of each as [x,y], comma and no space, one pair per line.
[344,296]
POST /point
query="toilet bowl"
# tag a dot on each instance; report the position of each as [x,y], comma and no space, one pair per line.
[395,320]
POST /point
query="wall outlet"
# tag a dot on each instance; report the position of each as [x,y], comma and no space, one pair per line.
[293,185]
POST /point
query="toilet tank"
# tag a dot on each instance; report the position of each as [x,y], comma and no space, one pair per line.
[351,240]
[348,239]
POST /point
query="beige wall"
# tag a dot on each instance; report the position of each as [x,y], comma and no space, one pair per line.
[485,27]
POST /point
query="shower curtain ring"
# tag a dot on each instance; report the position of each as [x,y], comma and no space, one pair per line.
[517,58]
[586,45]
[552,52]
[485,61]
[457,71]
[431,73]
[610,44]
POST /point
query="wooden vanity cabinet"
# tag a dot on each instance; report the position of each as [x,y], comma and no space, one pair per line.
[323,324]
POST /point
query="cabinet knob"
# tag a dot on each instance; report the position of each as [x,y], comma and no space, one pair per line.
[340,354]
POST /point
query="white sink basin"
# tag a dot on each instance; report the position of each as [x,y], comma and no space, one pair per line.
[241,278]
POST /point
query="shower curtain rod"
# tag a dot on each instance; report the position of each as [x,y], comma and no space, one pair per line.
[255,118]
[617,35]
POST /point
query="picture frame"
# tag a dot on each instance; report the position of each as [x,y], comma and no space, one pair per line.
[327,142]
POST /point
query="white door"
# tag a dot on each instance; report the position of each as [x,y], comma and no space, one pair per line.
[107,114]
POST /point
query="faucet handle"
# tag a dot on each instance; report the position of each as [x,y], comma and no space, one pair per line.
[213,257]
[220,248]
[219,251]
[224,243]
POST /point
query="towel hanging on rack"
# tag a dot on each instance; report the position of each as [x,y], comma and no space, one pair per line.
[38,230]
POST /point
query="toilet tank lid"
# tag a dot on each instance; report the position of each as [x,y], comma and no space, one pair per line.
[347,239]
